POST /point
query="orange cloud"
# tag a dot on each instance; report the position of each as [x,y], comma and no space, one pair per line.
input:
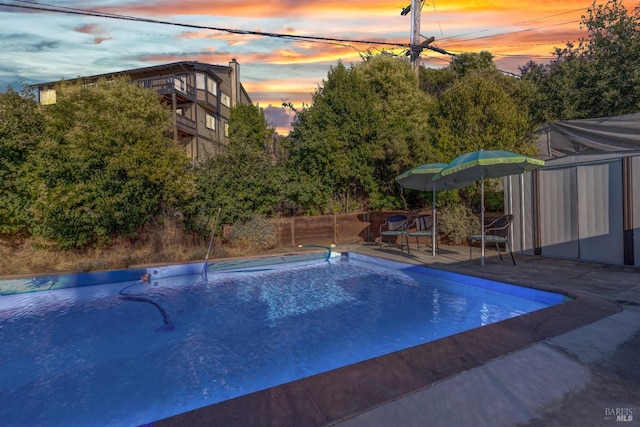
[514,32]
[298,53]
[534,27]
[269,89]
[229,38]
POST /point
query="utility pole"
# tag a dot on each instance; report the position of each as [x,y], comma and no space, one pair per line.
[416,46]
[416,11]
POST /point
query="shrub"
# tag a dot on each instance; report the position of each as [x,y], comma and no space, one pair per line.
[494,201]
[105,166]
[253,236]
[457,222]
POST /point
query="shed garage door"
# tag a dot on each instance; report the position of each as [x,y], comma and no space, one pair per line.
[581,212]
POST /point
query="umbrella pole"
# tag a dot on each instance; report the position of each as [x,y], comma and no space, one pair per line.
[434,234]
[482,218]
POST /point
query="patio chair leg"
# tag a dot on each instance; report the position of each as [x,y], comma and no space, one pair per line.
[499,252]
[509,247]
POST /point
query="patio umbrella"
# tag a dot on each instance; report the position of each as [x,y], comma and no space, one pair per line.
[478,165]
[421,178]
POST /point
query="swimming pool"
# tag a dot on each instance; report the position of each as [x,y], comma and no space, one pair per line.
[86,355]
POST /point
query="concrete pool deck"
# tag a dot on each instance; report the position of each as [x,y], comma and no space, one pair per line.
[577,363]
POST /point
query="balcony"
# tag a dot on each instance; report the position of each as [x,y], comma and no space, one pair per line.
[168,86]
[207,100]
[185,126]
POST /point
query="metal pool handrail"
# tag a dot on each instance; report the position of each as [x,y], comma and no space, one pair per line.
[328,248]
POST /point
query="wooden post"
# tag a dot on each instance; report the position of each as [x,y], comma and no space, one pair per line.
[279,228]
[174,107]
[367,233]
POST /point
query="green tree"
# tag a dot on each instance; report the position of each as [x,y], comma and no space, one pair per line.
[599,76]
[434,81]
[481,108]
[244,180]
[404,136]
[330,142]
[21,127]
[478,114]
[107,164]
[478,107]
[473,63]
[367,123]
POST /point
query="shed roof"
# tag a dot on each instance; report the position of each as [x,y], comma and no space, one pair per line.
[589,136]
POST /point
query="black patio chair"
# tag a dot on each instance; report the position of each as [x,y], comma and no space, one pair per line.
[396,227]
[422,226]
[497,232]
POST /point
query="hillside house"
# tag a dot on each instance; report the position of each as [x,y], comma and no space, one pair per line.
[200,95]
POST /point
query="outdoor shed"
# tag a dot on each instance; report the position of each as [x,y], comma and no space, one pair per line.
[581,204]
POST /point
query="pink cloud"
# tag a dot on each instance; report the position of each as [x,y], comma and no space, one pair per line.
[99,40]
[88,29]
[252,9]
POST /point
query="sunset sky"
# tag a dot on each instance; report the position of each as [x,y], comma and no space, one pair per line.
[39,46]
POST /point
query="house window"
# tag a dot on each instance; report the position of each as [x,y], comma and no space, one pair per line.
[200,81]
[179,82]
[224,98]
[205,82]
[226,129]
[212,86]
[210,121]
[47,96]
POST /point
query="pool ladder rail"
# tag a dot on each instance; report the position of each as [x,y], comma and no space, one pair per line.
[328,248]
[203,275]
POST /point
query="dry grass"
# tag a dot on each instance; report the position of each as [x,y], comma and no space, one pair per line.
[161,243]
[164,243]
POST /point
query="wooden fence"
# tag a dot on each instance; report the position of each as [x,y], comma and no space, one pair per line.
[327,229]
[339,229]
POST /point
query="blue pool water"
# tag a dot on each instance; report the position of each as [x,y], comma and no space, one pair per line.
[130,353]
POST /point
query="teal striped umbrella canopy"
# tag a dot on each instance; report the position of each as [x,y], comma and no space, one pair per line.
[421,178]
[478,165]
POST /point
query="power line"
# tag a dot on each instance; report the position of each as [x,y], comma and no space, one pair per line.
[552,16]
[32,5]
[515,32]
[85,12]
[73,11]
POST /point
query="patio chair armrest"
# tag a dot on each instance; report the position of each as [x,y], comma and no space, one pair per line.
[495,239]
